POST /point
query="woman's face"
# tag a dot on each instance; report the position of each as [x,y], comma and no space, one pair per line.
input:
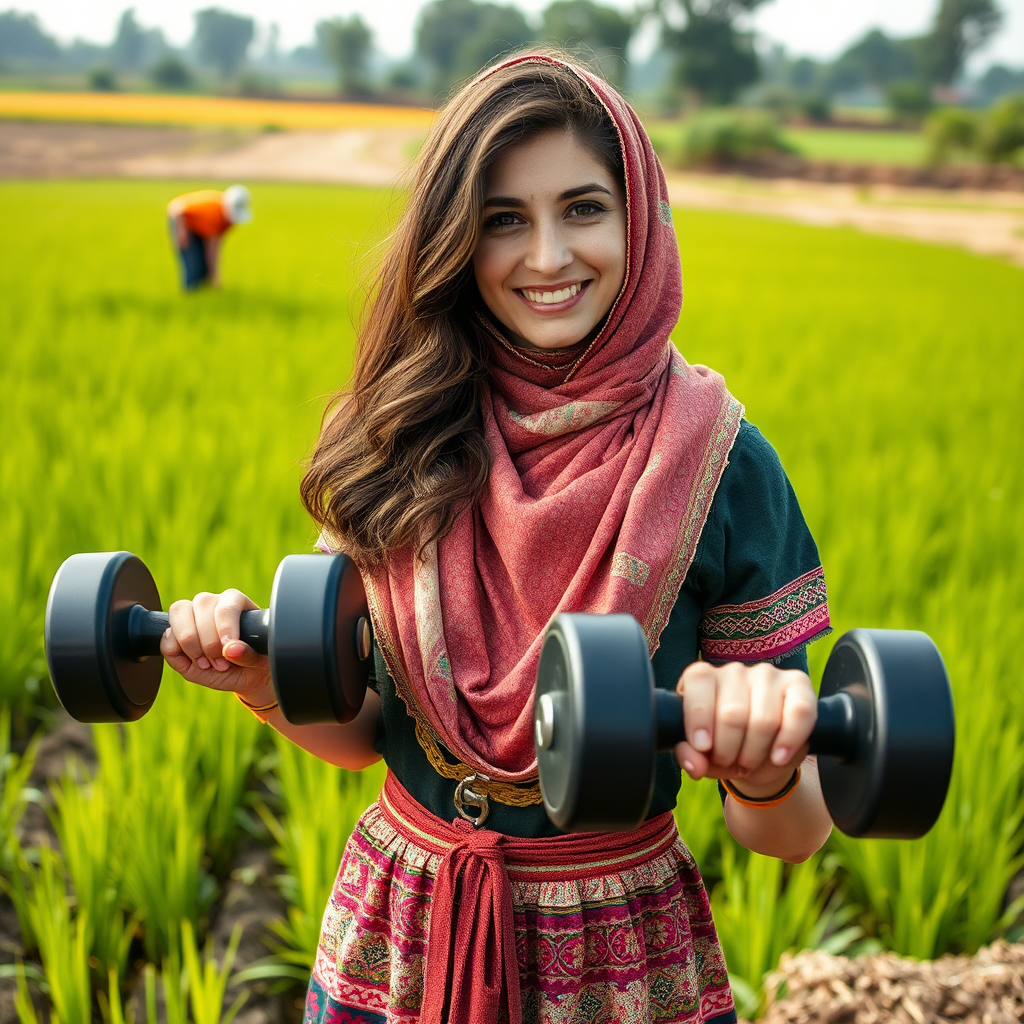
[551,258]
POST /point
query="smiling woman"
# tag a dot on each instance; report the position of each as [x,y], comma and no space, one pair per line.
[522,438]
[552,255]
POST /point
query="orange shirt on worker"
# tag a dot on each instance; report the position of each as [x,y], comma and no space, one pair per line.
[202,212]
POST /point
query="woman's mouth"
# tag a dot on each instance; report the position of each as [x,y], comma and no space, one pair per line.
[553,300]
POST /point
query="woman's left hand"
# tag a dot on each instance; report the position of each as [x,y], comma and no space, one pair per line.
[748,723]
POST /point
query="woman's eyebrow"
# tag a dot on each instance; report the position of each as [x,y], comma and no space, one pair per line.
[571,193]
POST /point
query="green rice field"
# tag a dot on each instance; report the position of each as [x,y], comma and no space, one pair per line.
[888,375]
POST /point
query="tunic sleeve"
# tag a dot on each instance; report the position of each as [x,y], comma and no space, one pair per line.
[762,585]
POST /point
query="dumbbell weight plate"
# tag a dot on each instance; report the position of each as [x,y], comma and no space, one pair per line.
[86,623]
[894,783]
[594,731]
[319,639]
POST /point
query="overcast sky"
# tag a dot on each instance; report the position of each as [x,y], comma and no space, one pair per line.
[817,28]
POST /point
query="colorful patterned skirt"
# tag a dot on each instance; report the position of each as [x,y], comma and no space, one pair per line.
[614,935]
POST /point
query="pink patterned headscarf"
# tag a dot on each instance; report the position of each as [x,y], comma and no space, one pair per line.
[604,465]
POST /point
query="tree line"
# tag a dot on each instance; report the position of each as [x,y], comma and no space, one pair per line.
[707,54]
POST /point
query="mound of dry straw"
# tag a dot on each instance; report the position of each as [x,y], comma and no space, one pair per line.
[821,989]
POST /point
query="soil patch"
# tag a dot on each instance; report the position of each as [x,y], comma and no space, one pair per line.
[821,989]
[35,149]
[985,222]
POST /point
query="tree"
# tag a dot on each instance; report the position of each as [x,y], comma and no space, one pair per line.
[583,24]
[222,39]
[715,59]
[459,37]
[346,43]
[502,29]
[961,27]
[875,60]
[129,43]
[21,36]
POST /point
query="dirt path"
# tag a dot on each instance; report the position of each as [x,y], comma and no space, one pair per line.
[988,223]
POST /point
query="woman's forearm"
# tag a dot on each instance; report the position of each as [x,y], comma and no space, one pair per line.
[346,746]
[792,830]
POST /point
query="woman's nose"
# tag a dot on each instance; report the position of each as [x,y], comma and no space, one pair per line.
[548,251]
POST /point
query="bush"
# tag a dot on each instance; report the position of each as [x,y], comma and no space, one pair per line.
[816,107]
[723,137]
[948,131]
[170,72]
[1002,132]
[909,101]
[102,80]
[252,84]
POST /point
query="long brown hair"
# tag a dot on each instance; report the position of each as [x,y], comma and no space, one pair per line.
[401,453]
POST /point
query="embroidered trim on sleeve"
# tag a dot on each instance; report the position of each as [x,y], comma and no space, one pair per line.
[767,629]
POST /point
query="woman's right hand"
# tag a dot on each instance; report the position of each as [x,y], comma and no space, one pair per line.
[202,646]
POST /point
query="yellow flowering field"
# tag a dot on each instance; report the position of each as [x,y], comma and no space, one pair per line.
[142,108]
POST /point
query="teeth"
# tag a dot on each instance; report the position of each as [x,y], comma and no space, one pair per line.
[547,298]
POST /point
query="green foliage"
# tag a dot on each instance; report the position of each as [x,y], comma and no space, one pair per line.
[14,796]
[459,37]
[961,27]
[887,374]
[909,101]
[996,136]
[63,939]
[764,908]
[22,37]
[582,25]
[950,131]
[82,818]
[222,39]
[910,471]
[129,43]
[346,43]
[713,58]
[1001,138]
[874,60]
[309,847]
[208,980]
[170,72]
[102,80]
[722,137]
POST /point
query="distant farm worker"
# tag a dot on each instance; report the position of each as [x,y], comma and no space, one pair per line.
[198,222]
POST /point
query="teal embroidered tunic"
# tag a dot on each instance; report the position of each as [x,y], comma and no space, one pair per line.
[755,591]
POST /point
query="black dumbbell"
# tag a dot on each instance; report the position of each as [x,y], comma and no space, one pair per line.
[884,735]
[103,631]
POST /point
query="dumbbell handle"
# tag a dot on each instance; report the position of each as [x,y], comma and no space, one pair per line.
[834,734]
[145,628]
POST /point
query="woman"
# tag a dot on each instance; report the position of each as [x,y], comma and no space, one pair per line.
[521,438]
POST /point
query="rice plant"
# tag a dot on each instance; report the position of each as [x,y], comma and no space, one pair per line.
[160,821]
[309,847]
[64,939]
[82,816]
[886,374]
[764,908]
[14,794]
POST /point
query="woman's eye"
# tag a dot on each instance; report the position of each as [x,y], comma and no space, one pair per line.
[501,220]
[586,209]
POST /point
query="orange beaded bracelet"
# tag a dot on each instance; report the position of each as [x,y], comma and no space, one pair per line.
[262,713]
[763,801]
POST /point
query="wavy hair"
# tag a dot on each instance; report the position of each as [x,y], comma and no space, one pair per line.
[401,452]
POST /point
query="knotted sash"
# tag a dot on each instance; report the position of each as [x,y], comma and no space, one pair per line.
[471,973]
[604,465]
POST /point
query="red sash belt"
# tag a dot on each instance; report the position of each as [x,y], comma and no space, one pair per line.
[471,973]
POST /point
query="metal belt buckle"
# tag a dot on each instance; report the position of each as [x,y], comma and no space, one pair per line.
[467,798]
